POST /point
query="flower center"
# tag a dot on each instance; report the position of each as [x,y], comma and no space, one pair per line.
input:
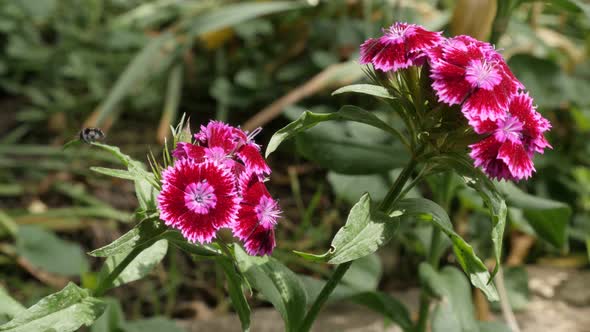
[509,129]
[200,197]
[216,153]
[267,212]
[482,74]
[396,33]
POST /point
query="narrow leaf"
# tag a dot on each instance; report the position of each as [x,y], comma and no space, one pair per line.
[308,120]
[234,287]
[368,89]
[64,311]
[492,198]
[116,173]
[427,210]
[387,306]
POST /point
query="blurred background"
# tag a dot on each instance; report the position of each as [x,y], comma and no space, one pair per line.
[133,67]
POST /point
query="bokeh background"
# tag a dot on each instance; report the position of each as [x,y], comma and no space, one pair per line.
[132,68]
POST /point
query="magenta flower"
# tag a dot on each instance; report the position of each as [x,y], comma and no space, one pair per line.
[257,217]
[401,46]
[507,153]
[471,73]
[227,145]
[198,198]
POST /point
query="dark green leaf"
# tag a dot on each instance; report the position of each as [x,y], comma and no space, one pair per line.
[543,78]
[64,311]
[308,120]
[234,287]
[45,250]
[427,210]
[279,285]
[548,218]
[366,230]
[368,89]
[454,311]
[139,267]
[142,233]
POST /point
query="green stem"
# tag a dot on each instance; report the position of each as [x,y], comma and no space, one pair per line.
[386,206]
[323,296]
[106,283]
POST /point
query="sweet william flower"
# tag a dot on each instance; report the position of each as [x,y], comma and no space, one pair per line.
[469,72]
[198,198]
[228,145]
[257,217]
[508,150]
[401,46]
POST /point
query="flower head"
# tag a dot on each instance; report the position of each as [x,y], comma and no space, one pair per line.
[471,73]
[401,46]
[198,198]
[227,145]
[508,150]
[257,217]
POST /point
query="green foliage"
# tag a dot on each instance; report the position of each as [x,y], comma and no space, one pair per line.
[277,284]
[234,287]
[66,310]
[366,230]
[45,250]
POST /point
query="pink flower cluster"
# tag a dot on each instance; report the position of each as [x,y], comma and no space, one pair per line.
[218,182]
[472,74]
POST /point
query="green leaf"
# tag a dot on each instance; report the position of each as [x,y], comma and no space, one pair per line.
[366,230]
[232,14]
[45,250]
[427,210]
[488,192]
[548,218]
[9,306]
[116,173]
[368,89]
[176,238]
[139,267]
[142,233]
[279,285]
[153,324]
[144,181]
[454,311]
[112,318]
[387,306]
[308,120]
[64,311]
[234,287]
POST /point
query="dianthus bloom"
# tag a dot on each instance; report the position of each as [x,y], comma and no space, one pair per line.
[472,74]
[469,72]
[401,46]
[198,199]
[257,217]
[215,183]
[508,150]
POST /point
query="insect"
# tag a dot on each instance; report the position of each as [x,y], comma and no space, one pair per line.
[89,135]
[86,135]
